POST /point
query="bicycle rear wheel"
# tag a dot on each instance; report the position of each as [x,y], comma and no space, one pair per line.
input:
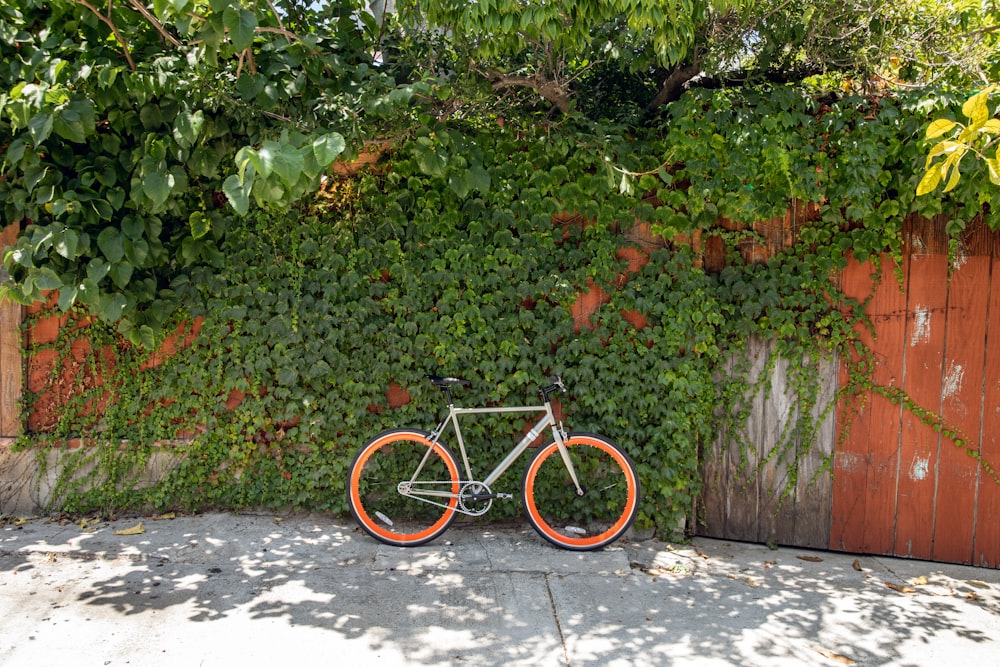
[610,497]
[380,473]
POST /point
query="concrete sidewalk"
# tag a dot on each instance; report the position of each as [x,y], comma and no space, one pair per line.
[237,589]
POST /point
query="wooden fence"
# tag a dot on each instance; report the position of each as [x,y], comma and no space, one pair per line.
[897,486]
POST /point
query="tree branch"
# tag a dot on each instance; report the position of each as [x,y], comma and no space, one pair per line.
[673,85]
[156,24]
[550,90]
[114,29]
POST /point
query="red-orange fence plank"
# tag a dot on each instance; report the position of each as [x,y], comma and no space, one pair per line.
[961,406]
[866,463]
[888,314]
[986,548]
[11,360]
[850,462]
[923,355]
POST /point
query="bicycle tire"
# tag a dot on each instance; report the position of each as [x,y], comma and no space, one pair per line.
[611,493]
[376,503]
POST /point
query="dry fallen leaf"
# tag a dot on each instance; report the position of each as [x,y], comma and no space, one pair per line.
[168,515]
[811,559]
[980,584]
[972,596]
[137,529]
[900,588]
[769,564]
[836,657]
[857,565]
[920,581]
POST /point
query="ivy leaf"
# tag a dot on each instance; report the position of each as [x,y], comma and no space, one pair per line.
[241,25]
[111,243]
[993,165]
[112,306]
[327,148]
[460,184]
[238,193]
[188,127]
[428,159]
[480,178]
[121,274]
[157,186]
[67,297]
[199,224]
[40,127]
[939,127]
[68,243]
[47,279]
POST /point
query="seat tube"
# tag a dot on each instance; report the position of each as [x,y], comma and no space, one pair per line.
[453,417]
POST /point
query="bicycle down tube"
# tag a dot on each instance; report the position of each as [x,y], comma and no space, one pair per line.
[547,420]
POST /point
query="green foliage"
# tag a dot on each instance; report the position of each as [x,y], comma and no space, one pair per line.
[956,139]
[126,133]
[446,259]
[504,29]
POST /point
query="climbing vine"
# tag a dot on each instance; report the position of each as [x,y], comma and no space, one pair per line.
[463,251]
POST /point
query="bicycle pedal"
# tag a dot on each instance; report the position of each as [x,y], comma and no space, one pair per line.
[505,496]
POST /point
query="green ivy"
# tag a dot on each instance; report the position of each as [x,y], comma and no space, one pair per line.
[462,253]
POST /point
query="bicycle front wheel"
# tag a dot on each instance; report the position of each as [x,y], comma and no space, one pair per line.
[403,488]
[607,506]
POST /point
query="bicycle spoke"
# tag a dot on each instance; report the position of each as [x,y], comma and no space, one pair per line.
[604,511]
[403,488]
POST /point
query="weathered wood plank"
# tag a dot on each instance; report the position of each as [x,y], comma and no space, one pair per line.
[711,521]
[888,314]
[851,460]
[777,520]
[923,356]
[743,499]
[961,405]
[986,546]
[11,359]
[814,488]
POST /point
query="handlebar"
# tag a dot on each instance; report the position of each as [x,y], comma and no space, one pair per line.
[557,385]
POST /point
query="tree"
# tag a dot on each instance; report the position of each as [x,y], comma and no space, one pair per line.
[663,45]
[956,140]
[130,132]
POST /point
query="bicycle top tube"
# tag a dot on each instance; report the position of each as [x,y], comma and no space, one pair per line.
[446,383]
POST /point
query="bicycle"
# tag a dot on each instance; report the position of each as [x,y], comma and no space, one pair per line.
[580,491]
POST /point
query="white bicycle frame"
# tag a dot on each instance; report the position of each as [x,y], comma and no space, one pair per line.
[547,419]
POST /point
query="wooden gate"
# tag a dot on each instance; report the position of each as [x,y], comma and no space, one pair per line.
[898,485]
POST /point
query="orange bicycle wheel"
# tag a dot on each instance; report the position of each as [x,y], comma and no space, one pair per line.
[607,506]
[404,457]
